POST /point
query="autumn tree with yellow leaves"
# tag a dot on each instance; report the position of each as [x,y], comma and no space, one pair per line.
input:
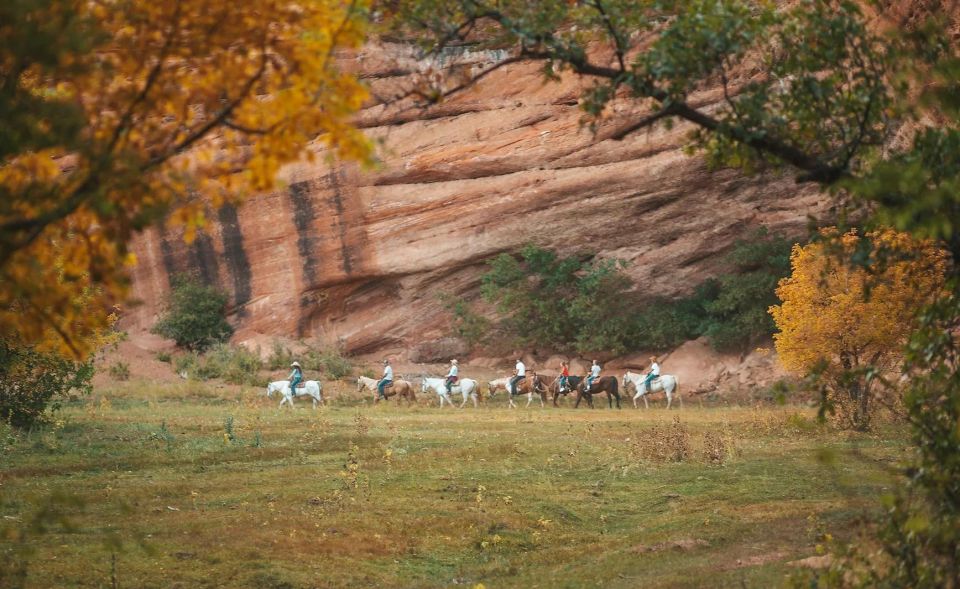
[849,323]
[118,115]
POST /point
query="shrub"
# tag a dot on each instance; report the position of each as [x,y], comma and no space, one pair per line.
[120,370]
[165,357]
[574,302]
[280,357]
[195,315]
[329,361]
[31,382]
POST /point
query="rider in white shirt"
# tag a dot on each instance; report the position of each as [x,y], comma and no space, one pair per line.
[452,375]
[387,379]
[520,373]
[594,374]
[654,372]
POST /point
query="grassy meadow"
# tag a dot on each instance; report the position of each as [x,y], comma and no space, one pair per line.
[193,485]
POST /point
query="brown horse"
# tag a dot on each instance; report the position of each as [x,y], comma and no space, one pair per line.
[605,384]
[403,388]
[572,383]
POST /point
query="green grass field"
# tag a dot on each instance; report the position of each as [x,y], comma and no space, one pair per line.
[385,496]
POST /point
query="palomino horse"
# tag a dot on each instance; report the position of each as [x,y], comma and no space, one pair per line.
[401,387]
[311,388]
[665,382]
[466,386]
[572,383]
[604,384]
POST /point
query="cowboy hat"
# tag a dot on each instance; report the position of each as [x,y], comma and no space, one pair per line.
[297,364]
[454,361]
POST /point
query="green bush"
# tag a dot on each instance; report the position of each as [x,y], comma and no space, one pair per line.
[195,316]
[32,382]
[165,357]
[569,303]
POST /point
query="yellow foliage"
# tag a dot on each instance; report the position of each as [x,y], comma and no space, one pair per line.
[848,321]
[185,106]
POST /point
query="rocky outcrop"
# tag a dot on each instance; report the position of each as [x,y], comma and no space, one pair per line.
[360,257]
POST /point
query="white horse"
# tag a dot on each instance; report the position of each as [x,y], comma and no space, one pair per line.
[665,382]
[311,388]
[365,383]
[467,387]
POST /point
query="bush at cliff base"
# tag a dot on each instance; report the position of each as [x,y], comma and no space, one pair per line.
[33,382]
[195,316]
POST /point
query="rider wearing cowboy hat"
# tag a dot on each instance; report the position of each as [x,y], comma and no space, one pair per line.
[452,375]
[295,378]
[387,379]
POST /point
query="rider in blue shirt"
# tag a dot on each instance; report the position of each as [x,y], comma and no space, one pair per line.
[594,375]
[295,378]
[452,376]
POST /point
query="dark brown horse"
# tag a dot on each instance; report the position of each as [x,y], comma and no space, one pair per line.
[605,384]
[572,383]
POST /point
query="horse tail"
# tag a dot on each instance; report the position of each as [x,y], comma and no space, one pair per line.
[676,390]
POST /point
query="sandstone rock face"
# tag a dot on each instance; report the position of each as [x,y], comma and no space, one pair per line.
[359,258]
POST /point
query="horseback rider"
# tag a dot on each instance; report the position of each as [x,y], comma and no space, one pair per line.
[452,377]
[594,375]
[519,373]
[295,378]
[654,372]
[564,376]
[386,381]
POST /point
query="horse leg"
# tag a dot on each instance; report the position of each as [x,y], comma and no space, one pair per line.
[529,399]
[635,397]
[474,398]
[645,404]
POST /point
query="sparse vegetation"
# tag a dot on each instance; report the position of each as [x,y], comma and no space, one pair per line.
[329,362]
[233,364]
[120,370]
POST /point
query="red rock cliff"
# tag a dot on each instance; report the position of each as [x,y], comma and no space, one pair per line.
[360,257]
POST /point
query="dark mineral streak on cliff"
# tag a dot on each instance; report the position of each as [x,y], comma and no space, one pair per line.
[167,255]
[235,257]
[203,257]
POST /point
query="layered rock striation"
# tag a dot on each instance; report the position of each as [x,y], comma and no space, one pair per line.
[360,258]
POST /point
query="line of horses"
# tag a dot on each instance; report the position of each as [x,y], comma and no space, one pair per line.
[533,386]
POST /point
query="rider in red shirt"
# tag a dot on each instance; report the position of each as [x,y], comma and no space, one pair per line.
[564,375]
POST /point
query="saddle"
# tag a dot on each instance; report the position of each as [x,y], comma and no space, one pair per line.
[302,385]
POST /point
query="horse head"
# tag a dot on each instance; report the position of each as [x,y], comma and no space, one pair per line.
[359,383]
